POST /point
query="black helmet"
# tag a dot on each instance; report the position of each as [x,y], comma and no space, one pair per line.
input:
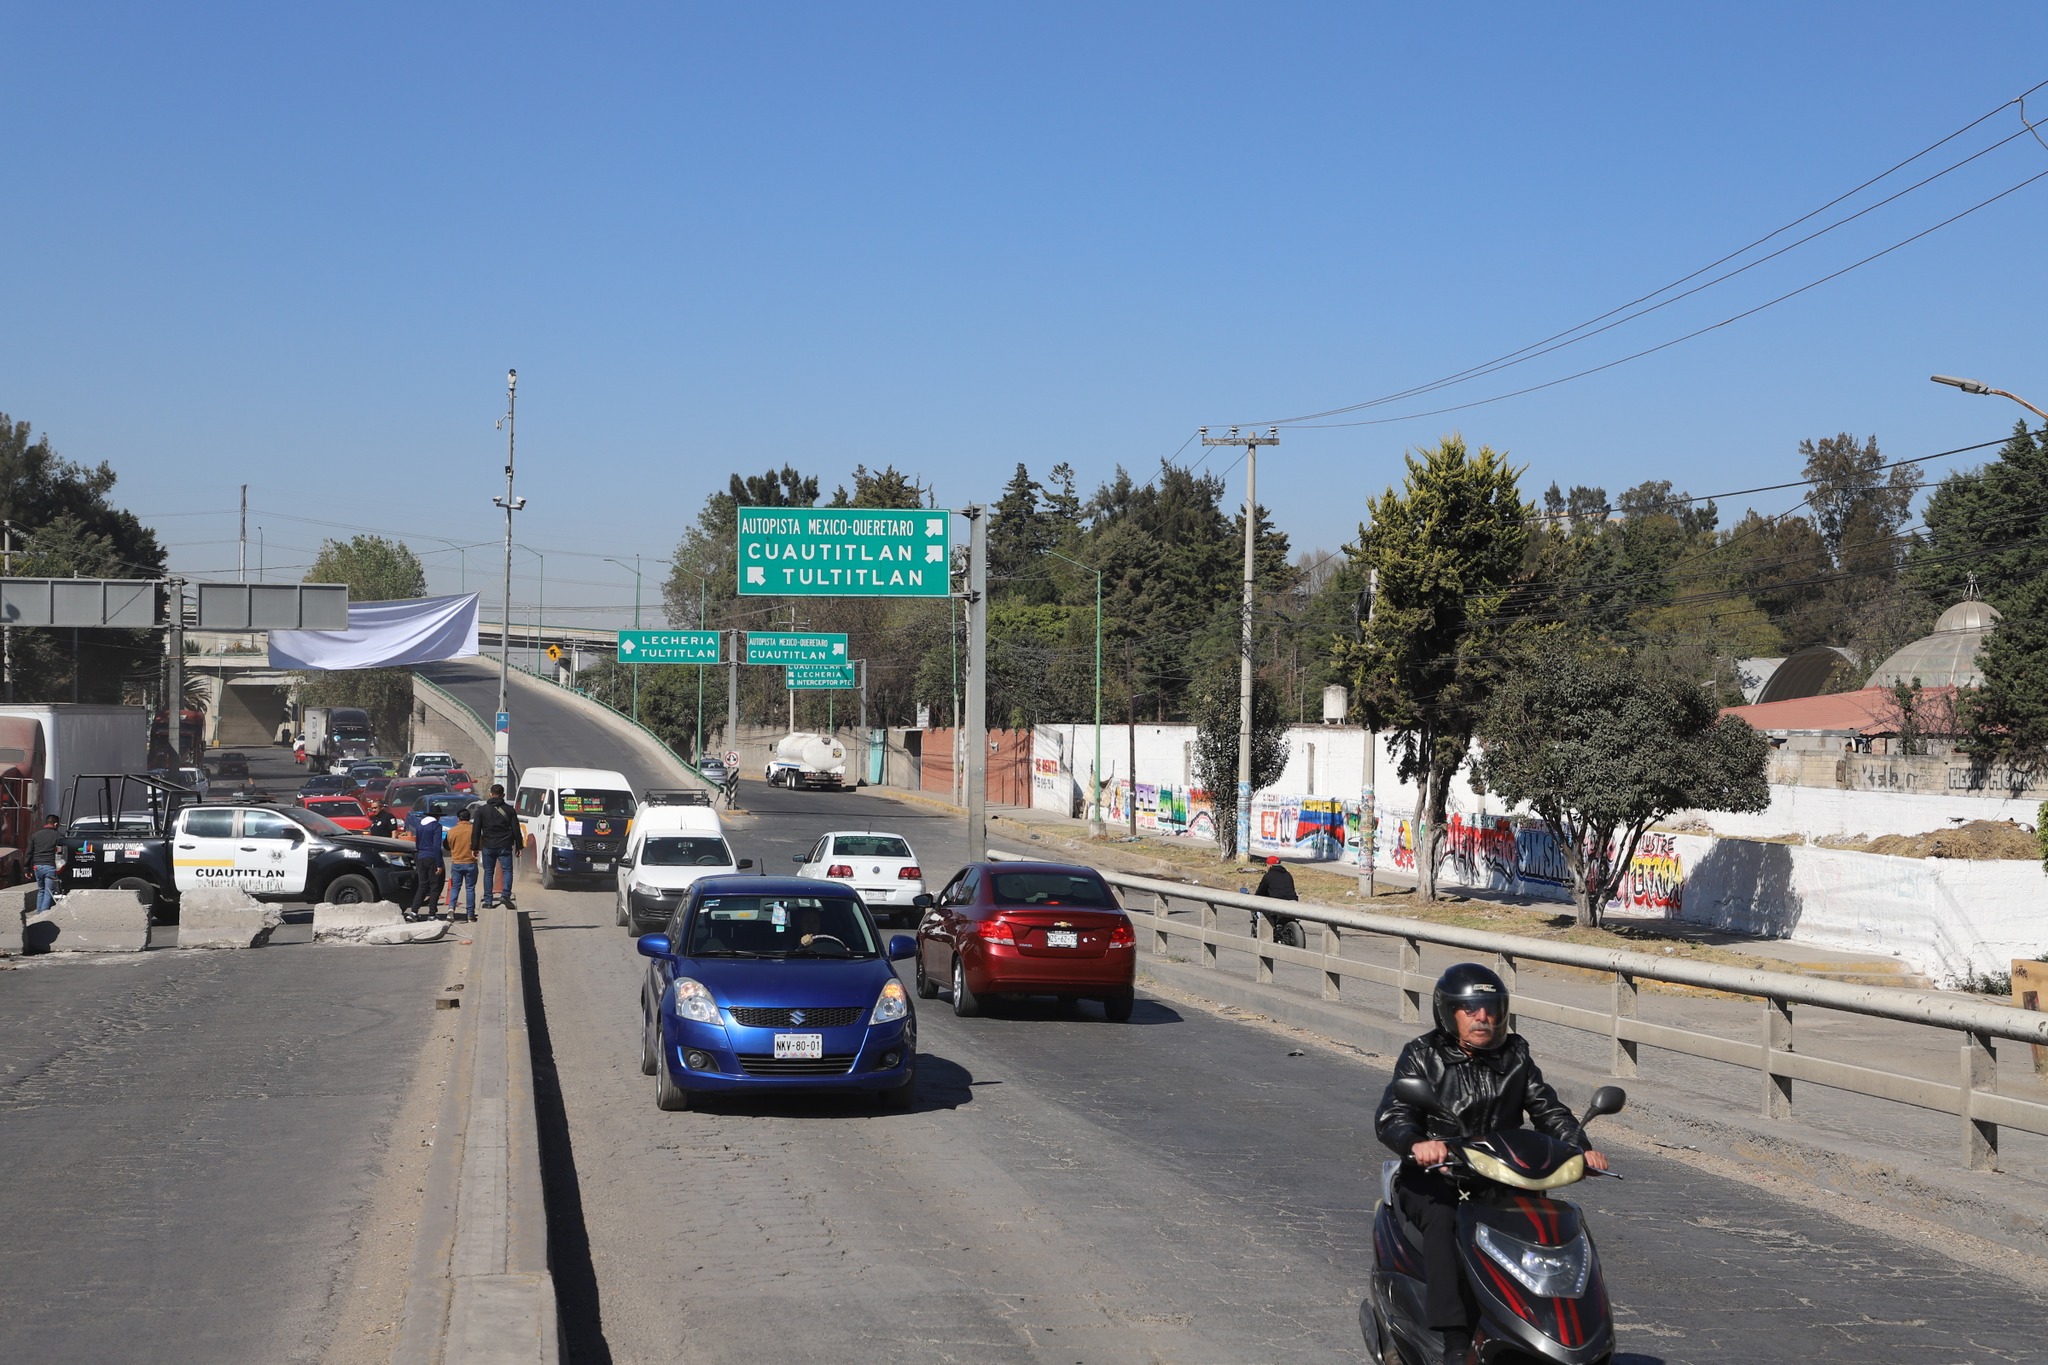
[1467,984]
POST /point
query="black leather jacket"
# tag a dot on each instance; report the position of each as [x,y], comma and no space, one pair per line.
[1487,1091]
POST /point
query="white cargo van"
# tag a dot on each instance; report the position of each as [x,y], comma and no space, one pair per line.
[575,821]
[669,849]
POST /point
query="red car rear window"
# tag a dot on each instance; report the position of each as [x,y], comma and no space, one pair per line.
[1052,888]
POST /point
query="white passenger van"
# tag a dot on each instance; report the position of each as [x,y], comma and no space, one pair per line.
[669,849]
[575,821]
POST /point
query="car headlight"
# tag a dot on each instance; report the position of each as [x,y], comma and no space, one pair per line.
[397,859]
[1552,1272]
[694,1002]
[559,842]
[891,1005]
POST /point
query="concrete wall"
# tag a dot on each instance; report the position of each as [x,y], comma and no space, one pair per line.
[442,723]
[1813,812]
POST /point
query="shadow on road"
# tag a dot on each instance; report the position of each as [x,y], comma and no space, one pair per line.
[941,1084]
[576,1294]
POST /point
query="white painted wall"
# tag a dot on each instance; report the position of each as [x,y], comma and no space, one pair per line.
[1816,811]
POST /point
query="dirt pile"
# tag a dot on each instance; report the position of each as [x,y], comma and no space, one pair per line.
[1979,839]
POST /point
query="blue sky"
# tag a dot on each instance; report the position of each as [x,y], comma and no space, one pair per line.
[298,247]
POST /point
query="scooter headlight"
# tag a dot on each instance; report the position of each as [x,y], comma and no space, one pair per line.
[1551,1272]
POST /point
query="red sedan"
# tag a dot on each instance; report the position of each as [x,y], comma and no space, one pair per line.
[459,781]
[342,810]
[1027,929]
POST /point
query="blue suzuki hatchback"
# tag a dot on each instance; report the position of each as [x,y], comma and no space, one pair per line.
[775,985]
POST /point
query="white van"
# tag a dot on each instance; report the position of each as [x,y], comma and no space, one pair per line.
[669,849]
[575,820]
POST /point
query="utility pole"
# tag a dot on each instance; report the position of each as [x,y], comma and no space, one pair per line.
[977,682]
[959,768]
[501,759]
[1368,810]
[1251,446]
[174,673]
[242,542]
[7,631]
[862,776]
[732,694]
[1131,737]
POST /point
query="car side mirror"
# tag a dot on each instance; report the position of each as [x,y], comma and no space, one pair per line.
[797,858]
[625,862]
[922,900]
[1414,1091]
[653,945]
[744,863]
[902,947]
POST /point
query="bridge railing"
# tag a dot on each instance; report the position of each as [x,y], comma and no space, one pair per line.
[1972,1097]
[663,744]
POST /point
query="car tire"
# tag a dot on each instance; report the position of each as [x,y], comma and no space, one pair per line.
[650,1051]
[901,1097]
[547,870]
[145,886]
[350,888]
[668,1095]
[964,1002]
[1117,1008]
[927,989]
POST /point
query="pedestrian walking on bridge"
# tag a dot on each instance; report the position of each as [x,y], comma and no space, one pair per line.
[462,863]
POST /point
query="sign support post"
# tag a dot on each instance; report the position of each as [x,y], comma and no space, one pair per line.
[977,683]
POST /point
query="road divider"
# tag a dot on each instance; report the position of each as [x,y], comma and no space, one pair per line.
[481,1290]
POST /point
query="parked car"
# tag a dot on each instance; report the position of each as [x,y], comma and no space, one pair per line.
[671,848]
[231,767]
[459,781]
[402,794]
[879,866]
[344,811]
[1027,929]
[447,807]
[772,986]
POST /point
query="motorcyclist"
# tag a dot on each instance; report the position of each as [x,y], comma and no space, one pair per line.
[1485,1081]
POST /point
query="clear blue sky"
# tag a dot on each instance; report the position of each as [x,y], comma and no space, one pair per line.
[298,247]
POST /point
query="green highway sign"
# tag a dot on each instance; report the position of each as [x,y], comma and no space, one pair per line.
[820,675]
[794,647]
[668,646]
[844,552]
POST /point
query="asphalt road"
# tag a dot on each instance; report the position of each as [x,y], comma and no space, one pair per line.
[192,1142]
[1184,1188]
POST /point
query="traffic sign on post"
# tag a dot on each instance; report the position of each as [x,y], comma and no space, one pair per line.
[794,647]
[820,675]
[844,552]
[668,646]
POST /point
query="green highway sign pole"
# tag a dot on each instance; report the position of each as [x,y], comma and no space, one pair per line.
[844,552]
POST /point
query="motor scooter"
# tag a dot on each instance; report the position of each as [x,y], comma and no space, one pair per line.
[1527,1255]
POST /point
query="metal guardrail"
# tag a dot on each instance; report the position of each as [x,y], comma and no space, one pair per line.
[1973,1098]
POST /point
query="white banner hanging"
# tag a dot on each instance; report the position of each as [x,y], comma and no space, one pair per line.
[384,635]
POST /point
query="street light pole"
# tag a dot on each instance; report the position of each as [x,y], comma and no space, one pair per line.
[636,625]
[1977,386]
[1251,446]
[501,758]
[1095,830]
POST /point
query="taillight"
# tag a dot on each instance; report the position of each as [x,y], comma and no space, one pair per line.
[996,931]
[1122,935]
[839,870]
[910,874]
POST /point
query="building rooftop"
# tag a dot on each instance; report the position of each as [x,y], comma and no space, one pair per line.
[1871,711]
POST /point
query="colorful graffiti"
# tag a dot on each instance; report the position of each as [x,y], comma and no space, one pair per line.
[1656,878]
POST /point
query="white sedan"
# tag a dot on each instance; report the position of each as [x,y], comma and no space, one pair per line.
[880,867]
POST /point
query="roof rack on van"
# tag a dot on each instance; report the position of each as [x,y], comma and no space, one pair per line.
[676,796]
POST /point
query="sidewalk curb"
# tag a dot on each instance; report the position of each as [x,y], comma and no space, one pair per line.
[480,1287]
[1968,1202]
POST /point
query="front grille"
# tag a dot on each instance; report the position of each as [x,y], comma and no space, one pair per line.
[834,1064]
[751,1017]
[601,845]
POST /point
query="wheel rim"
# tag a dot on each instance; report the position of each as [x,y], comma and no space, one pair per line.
[959,980]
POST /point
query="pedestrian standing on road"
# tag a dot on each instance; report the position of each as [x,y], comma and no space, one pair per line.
[429,843]
[383,824]
[462,863]
[497,840]
[42,860]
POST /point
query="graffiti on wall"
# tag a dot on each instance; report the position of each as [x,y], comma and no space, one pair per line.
[1520,856]
[1656,879]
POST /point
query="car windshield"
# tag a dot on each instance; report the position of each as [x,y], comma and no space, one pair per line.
[589,803]
[779,926]
[870,846]
[685,850]
[1052,888]
[318,824]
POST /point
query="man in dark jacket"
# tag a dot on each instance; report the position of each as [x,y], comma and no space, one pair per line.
[497,842]
[42,861]
[1485,1081]
[1277,883]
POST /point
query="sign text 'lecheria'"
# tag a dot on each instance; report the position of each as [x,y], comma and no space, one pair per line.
[844,552]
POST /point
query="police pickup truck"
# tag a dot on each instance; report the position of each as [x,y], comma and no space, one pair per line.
[159,839]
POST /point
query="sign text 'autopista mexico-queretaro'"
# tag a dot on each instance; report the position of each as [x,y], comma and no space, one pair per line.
[844,552]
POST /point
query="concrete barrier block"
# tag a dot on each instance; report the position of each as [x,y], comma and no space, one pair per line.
[90,922]
[17,903]
[378,923]
[225,918]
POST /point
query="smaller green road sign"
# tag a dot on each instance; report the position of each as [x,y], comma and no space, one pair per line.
[820,675]
[794,647]
[844,552]
[668,646]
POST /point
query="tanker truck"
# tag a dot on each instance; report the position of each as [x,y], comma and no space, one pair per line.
[808,760]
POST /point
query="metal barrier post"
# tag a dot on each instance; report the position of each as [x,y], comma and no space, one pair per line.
[1159,931]
[1411,965]
[1263,935]
[1777,1038]
[1624,1007]
[1980,1072]
[1504,968]
[1208,933]
[1333,946]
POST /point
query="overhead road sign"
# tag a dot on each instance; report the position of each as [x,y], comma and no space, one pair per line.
[794,647]
[88,603]
[820,675]
[273,606]
[668,646]
[844,552]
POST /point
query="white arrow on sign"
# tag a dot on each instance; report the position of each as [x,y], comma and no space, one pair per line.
[626,645]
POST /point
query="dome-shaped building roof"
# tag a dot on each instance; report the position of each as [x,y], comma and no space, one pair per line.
[1948,656]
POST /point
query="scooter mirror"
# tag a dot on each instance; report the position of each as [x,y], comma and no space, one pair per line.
[1416,1091]
[1608,1099]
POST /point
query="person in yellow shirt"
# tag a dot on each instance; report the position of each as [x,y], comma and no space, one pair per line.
[462,864]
